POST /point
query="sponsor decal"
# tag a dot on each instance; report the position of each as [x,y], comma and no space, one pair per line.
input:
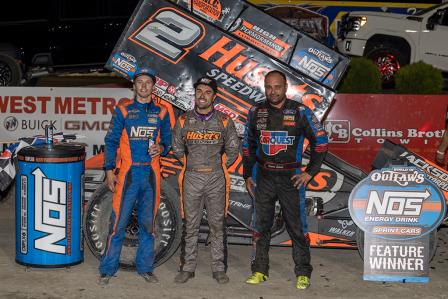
[434,174]
[274,142]
[142,132]
[158,36]
[203,137]
[338,131]
[209,9]
[289,123]
[343,231]
[24,214]
[224,109]
[11,123]
[325,184]
[50,212]
[288,117]
[289,111]
[124,63]
[260,38]
[311,66]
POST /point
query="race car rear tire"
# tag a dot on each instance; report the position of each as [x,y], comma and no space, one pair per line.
[432,243]
[168,227]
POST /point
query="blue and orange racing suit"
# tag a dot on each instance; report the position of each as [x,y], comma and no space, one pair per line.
[132,127]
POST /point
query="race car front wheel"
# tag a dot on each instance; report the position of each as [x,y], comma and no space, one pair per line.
[168,226]
[432,243]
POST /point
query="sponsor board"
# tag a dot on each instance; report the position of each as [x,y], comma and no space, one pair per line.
[25,111]
[397,208]
[358,125]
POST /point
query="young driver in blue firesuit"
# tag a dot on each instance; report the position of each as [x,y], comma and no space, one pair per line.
[140,130]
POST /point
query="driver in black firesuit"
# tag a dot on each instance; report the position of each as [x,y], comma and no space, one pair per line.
[274,138]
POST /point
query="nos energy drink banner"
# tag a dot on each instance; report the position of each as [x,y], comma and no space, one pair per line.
[273,37]
[397,208]
[182,47]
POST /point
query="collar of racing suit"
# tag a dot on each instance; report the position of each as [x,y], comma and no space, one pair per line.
[145,106]
[204,117]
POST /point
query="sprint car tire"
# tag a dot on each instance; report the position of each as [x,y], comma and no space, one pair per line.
[432,243]
[168,227]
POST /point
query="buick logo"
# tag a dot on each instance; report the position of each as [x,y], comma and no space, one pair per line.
[11,123]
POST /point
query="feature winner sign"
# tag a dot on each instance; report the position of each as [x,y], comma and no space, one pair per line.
[397,208]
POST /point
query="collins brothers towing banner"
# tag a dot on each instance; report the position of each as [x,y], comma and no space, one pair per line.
[358,124]
[397,208]
[181,47]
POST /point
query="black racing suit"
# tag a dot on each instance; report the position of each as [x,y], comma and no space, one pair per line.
[273,143]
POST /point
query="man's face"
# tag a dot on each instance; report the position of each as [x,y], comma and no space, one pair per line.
[275,88]
[143,86]
[204,96]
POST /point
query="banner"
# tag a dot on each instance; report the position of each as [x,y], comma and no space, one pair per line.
[24,112]
[358,124]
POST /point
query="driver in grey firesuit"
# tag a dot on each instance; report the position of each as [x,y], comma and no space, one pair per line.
[200,138]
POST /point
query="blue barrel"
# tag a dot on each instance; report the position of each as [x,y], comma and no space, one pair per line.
[49,197]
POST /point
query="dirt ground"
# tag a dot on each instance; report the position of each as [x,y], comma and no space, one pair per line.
[337,274]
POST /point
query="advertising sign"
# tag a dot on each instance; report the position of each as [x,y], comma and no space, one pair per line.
[397,208]
[359,124]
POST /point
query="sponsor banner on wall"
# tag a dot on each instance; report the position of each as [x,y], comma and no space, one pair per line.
[357,125]
[397,208]
[25,111]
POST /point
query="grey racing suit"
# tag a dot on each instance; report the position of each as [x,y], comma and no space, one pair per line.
[202,140]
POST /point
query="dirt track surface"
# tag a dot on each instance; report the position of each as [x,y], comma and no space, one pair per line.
[337,274]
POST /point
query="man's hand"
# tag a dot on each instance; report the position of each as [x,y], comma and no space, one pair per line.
[300,179]
[440,157]
[155,150]
[111,179]
[250,186]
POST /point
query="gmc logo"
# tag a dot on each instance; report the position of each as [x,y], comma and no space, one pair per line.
[142,132]
[169,33]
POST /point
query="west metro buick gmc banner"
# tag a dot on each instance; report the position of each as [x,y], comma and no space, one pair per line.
[181,47]
[358,124]
[24,112]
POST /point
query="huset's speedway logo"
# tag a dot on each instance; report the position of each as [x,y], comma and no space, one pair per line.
[274,142]
[50,212]
[169,33]
[204,137]
[397,203]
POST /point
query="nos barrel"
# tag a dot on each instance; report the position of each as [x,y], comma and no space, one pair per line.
[49,193]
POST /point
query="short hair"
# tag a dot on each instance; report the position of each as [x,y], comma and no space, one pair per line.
[276,72]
